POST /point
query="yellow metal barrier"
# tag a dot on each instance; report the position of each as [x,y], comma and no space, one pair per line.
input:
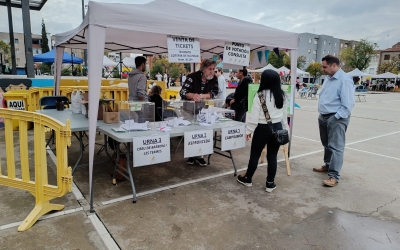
[39,187]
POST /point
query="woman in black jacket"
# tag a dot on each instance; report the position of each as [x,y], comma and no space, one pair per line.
[155,96]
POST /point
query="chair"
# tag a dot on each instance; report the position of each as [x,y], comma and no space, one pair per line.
[303,92]
[313,94]
[49,102]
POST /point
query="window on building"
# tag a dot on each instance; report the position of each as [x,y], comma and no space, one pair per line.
[315,52]
[386,57]
[324,41]
[309,50]
[345,45]
[315,41]
[335,44]
[17,51]
[329,42]
[328,52]
[16,41]
[341,45]
[17,61]
[323,52]
[309,40]
[334,54]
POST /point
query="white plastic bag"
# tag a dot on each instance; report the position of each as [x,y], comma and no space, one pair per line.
[76,106]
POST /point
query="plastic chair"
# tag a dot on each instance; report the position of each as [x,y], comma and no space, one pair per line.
[303,92]
[49,102]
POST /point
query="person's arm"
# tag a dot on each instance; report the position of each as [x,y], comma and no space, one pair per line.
[285,114]
[141,89]
[186,90]
[346,98]
[252,117]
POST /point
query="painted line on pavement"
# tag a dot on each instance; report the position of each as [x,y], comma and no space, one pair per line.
[305,138]
[372,138]
[45,217]
[103,232]
[363,151]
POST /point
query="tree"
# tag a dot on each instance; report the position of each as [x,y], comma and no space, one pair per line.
[301,61]
[162,65]
[359,57]
[4,52]
[276,61]
[393,66]
[45,41]
[315,70]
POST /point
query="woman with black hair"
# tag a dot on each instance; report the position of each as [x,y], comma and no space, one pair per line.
[270,87]
[155,96]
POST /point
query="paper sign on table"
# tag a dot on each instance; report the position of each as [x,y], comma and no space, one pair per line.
[198,143]
[233,137]
[151,150]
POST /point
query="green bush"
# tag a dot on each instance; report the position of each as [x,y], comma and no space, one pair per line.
[66,72]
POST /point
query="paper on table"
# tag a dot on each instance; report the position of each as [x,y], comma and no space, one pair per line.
[129,125]
[204,124]
[165,129]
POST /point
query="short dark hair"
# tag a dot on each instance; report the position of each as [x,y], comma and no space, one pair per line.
[331,60]
[207,63]
[139,60]
[244,71]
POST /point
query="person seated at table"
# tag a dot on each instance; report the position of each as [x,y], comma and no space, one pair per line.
[155,96]
[199,85]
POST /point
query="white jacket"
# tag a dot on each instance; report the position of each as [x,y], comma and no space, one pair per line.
[257,115]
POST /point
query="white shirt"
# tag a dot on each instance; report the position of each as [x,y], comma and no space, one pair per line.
[257,115]
[183,79]
[165,77]
[221,87]
[159,77]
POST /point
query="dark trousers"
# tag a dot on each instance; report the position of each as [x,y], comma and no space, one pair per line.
[263,136]
[240,115]
[332,132]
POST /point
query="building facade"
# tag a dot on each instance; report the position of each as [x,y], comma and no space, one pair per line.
[314,47]
[374,64]
[389,54]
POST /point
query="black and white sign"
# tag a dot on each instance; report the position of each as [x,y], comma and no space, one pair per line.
[183,49]
[16,104]
[198,143]
[151,150]
[233,137]
[237,54]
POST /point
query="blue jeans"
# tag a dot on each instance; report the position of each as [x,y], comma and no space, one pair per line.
[332,132]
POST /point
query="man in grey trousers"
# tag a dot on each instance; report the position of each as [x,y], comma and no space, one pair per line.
[336,101]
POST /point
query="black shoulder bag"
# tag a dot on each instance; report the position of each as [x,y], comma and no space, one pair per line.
[280,136]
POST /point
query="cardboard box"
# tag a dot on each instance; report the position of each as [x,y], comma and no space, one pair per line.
[110,117]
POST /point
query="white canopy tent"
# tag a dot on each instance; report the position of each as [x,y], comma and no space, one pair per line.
[269,66]
[129,62]
[302,72]
[284,70]
[107,62]
[387,75]
[357,72]
[144,28]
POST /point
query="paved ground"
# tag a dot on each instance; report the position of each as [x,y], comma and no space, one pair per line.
[210,210]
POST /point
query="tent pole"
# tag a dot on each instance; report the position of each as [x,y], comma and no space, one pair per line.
[120,65]
[12,40]
[293,74]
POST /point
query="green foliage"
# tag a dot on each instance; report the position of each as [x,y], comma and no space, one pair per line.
[393,66]
[45,68]
[315,70]
[301,62]
[5,50]
[275,61]
[66,72]
[157,68]
[174,72]
[45,41]
[359,57]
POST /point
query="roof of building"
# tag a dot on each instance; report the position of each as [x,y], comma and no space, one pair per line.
[33,5]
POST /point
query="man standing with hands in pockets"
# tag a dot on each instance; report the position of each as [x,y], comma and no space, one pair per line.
[336,101]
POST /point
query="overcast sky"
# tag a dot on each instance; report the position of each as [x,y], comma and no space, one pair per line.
[351,20]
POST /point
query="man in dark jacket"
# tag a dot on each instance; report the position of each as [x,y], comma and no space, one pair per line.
[200,85]
[239,102]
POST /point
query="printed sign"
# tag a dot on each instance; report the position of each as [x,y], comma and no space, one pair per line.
[16,104]
[233,137]
[237,54]
[198,143]
[183,49]
[151,150]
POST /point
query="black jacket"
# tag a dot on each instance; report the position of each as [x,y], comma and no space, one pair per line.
[241,93]
[193,85]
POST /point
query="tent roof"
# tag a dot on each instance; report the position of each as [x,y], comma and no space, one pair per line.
[301,72]
[284,69]
[48,57]
[108,62]
[269,66]
[143,28]
[357,72]
[387,75]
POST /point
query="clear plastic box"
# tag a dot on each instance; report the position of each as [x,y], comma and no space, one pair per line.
[213,111]
[178,108]
[136,112]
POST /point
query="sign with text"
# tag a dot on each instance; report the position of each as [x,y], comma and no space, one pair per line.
[237,53]
[151,150]
[198,143]
[233,137]
[183,49]
[16,104]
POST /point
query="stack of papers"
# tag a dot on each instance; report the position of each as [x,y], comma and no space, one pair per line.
[176,121]
[209,116]
[131,125]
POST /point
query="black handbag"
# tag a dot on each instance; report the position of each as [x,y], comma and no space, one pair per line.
[280,136]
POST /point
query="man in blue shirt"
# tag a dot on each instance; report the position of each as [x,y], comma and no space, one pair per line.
[336,102]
